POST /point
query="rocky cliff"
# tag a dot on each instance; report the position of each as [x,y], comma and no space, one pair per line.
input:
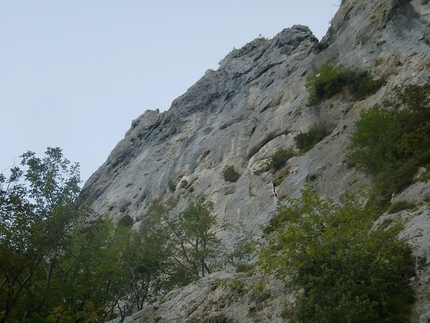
[253,104]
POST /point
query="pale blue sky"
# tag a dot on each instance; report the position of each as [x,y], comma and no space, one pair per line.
[75,73]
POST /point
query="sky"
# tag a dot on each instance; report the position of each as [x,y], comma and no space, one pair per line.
[75,73]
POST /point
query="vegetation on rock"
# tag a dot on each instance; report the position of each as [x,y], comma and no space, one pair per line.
[279,158]
[331,80]
[348,272]
[391,144]
[230,174]
[56,264]
[305,141]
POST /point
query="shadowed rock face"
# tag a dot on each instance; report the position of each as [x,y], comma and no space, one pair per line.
[255,103]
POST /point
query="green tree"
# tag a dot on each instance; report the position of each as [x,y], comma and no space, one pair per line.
[157,267]
[348,271]
[100,275]
[38,210]
[59,262]
[327,82]
[391,144]
[193,239]
[183,247]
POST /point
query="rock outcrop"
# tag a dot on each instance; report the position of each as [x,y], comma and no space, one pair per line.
[255,103]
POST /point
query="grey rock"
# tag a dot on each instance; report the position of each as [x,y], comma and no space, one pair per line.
[255,103]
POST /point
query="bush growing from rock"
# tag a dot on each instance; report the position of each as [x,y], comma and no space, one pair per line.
[183,183]
[347,271]
[331,80]
[392,144]
[230,174]
[279,158]
[400,206]
[125,221]
[171,185]
[306,140]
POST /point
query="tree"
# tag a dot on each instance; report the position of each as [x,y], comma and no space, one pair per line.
[99,277]
[59,262]
[391,144]
[193,239]
[38,209]
[348,271]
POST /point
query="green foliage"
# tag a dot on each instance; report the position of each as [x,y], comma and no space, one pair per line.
[391,145]
[230,174]
[183,183]
[223,126]
[181,247]
[347,271]
[101,272]
[278,181]
[244,267]
[125,221]
[306,140]
[331,80]
[184,246]
[193,240]
[171,186]
[400,206]
[241,249]
[279,159]
[56,265]
[38,212]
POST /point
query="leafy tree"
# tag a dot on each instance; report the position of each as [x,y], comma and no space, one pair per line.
[100,274]
[157,267]
[58,261]
[327,82]
[348,271]
[391,144]
[38,209]
[181,248]
[193,239]
[125,221]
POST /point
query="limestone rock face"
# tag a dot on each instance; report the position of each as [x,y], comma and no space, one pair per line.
[255,103]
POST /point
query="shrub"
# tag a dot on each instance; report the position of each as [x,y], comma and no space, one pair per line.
[230,174]
[400,206]
[183,183]
[327,82]
[244,267]
[171,185]
[307,140]
[125,221]
[347,271]
[331,80]
[391,144]
[279,158]
[223,126]
[278,181]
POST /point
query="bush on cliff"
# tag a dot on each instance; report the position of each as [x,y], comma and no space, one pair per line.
[331,80]
[347,271]
[279,159]
[392,144]
[230,174]
[305,141]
